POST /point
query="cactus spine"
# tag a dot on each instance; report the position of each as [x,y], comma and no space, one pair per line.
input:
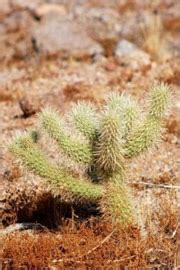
[111,138]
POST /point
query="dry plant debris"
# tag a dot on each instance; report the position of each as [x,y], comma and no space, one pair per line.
[92,244]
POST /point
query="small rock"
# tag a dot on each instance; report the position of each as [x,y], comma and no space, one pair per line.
[125,47]
[22,226]
[129,54]
[29,106]
[56,35]
[104,23]
[45,9]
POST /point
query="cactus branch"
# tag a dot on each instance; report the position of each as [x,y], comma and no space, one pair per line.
[142,138]
[147,134]
[109,147]
[127,109]
[30,154]
[75,150]
[159,100]
[84,117]
[113,136]
[116,203]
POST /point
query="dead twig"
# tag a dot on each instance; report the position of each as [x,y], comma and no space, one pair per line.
[152,185]
[174,232]
[87,253]
[121,260]
[99,245]
[22,226]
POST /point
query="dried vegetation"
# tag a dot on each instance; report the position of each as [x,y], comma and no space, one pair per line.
[72,237]
[91,244]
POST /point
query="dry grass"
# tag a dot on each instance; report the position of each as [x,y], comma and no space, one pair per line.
[92,244]
[81,91]
[153,37]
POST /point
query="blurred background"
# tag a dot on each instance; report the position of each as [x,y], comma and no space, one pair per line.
[122,36]
[57,52]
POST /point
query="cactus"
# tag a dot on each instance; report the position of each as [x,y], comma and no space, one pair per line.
[110,138]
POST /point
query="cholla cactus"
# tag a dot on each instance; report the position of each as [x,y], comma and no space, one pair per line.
[112,136]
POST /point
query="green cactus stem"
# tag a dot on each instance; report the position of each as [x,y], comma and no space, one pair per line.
[112,136]
[109,152]
[75,150]
[36,160]
[146,134]
[128,110]
[117,202]
[83,116]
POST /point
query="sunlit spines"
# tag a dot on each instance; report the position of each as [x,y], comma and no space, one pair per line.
[128,110]
[119,135]
[75,150]
[142,138]
[117,202]
[84,116]
[147,133]
[109,154]
[159,100]
[35,160]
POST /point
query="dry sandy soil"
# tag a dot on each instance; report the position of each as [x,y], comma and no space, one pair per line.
[53,53]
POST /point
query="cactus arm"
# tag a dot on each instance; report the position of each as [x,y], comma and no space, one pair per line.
[119,135]
[109,156]
[144,136]
[84,118]
[36,161]
[116,202]
[159,100]
[128,111]
[115,102]
[75,150]
[130,114]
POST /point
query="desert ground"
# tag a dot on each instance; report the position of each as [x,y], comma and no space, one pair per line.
[54,54]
